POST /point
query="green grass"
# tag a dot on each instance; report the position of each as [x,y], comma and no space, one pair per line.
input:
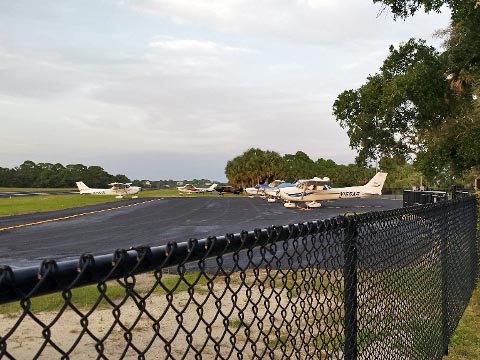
[465,342]
[277,341]
[5,189]
[158,193]
[174,284]
[40,203]
[303,281]
[85,297]
[235,323]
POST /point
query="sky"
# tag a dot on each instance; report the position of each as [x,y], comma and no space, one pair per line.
[173,89]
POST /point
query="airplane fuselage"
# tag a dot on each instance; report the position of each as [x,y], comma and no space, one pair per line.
[118,189]
[193,189]
[311,191]
[117,192]
[296,194]
[256,190]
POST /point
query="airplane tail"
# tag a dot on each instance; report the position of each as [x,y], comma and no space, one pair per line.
[212,187]
[375,185]
[81,186]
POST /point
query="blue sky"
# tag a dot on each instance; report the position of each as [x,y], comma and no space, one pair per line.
[159,89]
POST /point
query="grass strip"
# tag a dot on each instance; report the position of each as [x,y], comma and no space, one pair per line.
[17,205]
[465,341]
[84,297]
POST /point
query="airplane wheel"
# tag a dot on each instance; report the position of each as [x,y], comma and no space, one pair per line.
[313,204]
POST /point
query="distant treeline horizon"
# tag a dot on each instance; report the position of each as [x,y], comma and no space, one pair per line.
[46,175]
[252,167]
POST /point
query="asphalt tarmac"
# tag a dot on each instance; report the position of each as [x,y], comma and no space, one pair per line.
[10,194]
[25,240]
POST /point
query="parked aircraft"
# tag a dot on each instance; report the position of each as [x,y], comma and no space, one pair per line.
[228,189]
[189,188]
[274,192]
[260,189]
[120,190]
[314,190]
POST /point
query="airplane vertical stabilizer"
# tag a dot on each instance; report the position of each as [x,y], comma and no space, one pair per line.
[375,185]
[81,186]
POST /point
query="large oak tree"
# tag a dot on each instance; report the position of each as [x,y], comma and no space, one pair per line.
[422,104]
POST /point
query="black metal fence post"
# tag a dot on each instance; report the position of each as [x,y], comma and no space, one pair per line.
[475,253]
[350,325]
[454,192]
[444,286]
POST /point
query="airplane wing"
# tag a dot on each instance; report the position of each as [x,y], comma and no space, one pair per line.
[119,186]
[116,184]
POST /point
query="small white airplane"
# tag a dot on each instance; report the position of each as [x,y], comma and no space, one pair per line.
[312,191]
[189,188]
[274,192]
[120,190]
[258,189]
[261,189]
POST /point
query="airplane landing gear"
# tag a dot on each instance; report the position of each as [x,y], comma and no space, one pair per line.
[313,205]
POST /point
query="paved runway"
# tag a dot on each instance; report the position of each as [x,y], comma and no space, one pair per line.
[26,240]
[33,193]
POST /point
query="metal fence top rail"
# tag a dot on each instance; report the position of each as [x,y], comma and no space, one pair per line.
[52,276]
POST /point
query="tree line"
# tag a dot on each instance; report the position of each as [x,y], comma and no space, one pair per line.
[423,104]
[257,166]
[30,174]
[263,166]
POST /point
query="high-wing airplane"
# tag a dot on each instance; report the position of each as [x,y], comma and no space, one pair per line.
[189,188]
[258,189]
[222,189]
[314,190]
[274,192]
[261,189]
[120,190]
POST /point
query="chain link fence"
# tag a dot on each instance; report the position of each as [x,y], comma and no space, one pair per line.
[380,285]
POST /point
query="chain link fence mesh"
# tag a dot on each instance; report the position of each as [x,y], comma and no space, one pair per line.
[382,285]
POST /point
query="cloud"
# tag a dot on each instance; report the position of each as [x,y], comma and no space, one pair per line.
[9,146]
[191,79]
[307,21]
[197,47]
[31,74]
[224,129]
[281,68]
[192,58]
